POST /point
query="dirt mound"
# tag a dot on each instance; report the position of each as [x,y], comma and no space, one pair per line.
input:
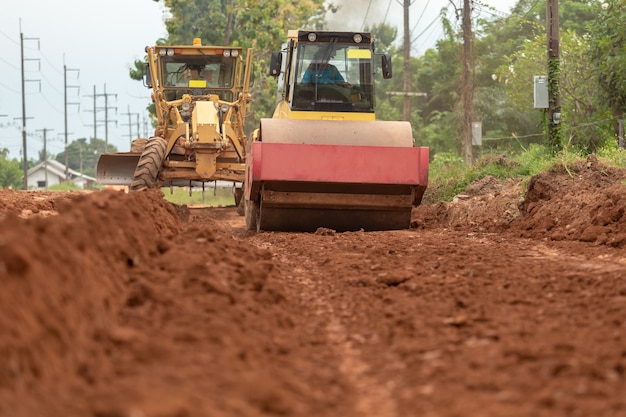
[107,308]
[41,203]
[488,205]
[585,202]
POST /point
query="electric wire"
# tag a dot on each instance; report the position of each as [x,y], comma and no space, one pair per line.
[419,19]
[366,13]
[10,89]
[436,19]
[387,13]
[9,64]
[9,38]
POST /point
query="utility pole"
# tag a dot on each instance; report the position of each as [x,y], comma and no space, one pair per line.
[106,117]
[80,156]
[106,109]
[130,130]
[138,125]
[45,154]
[65,103]
[95,114]
[467,91]
[146,127]
[407,63]
[554,97]
[24,80]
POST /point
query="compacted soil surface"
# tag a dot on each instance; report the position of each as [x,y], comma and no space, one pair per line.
[508,301]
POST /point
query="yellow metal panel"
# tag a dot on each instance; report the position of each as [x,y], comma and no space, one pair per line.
[197,83]
[206,113]
[205,122]
[283,111]
[206,164]
[359,53]
[309,115]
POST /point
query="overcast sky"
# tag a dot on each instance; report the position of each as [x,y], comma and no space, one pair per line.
[99,40]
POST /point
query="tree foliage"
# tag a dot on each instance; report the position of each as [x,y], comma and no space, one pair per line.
[11,174]
[581,117]
[508,51]
[609,54]
[83,155]
[260,25]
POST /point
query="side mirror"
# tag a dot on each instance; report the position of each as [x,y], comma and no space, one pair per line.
[276,63]
[147,79]
[386,66]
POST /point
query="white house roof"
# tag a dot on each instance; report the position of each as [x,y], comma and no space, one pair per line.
[57,168]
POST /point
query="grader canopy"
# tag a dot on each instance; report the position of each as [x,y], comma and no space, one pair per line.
[200,95]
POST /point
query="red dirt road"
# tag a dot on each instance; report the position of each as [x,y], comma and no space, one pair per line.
[120,305]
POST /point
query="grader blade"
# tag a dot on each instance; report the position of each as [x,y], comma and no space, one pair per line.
[117,168]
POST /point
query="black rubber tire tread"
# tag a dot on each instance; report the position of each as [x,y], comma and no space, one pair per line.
[251,211]
[239,200]
[241,207]
[147,171]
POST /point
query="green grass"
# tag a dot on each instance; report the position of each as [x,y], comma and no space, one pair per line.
[212,196]
[449,176]
[64,186]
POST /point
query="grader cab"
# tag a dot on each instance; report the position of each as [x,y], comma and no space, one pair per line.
[200,95]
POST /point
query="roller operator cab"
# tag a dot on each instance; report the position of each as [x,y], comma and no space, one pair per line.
[323,160]
[327,72]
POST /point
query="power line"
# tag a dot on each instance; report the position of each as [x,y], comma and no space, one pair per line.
[9,64]
[366,13]
[419,19]
[387,12]
[9,88]
[9,38]
[436,19]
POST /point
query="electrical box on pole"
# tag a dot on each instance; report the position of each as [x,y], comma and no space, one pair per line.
[477,133]
[540,92]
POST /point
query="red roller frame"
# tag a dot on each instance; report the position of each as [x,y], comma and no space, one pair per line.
[334,163]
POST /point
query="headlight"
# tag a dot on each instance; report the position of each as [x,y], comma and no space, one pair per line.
[227,52]
[357,38]
[170,52]
[224,108]
[162,52]
[235,53]
[312,37]
[186,106]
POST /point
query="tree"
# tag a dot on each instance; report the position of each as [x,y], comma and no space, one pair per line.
[83,156]
[11,173]
[261,25]
[581,116]
[608,54]
[385,36]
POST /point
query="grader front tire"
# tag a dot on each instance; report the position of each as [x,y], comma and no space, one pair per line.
[147,171]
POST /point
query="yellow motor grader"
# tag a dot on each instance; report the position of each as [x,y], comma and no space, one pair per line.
[200,95]
[323,160]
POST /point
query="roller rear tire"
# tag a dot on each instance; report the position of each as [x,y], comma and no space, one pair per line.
[252,215]
[239,201]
